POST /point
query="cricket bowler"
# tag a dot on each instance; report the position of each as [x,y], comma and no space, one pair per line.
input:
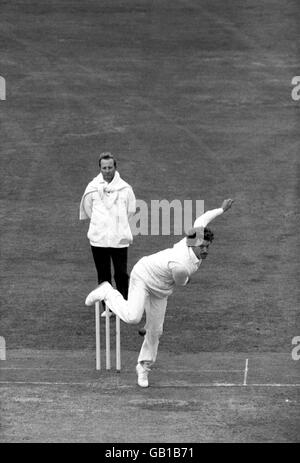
[152,280]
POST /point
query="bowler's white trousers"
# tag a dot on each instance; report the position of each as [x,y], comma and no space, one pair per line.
[132,309]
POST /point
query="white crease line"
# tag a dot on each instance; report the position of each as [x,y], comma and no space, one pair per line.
[273,385]
[201,371]
[47,383]
[128,386]
[47,369]
[245,373]
[127,370]
[224,385]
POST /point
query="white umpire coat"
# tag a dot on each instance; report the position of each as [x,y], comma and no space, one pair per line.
[108,206]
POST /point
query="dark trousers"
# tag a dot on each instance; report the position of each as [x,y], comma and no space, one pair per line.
[118,256]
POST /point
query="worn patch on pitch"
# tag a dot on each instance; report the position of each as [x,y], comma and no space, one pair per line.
[164,404]
[32,399]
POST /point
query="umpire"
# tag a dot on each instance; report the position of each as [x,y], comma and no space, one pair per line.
[109,202]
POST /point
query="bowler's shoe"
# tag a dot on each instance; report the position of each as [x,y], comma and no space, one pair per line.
[142,370]
[98,294]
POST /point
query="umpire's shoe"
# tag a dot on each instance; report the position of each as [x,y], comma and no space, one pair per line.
[110,314]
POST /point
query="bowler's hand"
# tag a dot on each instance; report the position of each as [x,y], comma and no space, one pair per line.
[227,203]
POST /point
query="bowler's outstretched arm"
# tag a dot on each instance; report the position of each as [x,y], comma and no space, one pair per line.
[208,216]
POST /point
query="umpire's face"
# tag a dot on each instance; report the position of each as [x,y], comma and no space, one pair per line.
[107,169]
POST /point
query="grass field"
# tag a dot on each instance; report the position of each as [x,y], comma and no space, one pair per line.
[194,99]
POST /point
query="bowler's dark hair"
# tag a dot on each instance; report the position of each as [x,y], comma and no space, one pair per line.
[107,155]
[208,235]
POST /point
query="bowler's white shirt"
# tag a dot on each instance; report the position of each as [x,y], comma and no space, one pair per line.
[163,270]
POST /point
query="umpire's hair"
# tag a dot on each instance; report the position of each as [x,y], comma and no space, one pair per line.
[107,155]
